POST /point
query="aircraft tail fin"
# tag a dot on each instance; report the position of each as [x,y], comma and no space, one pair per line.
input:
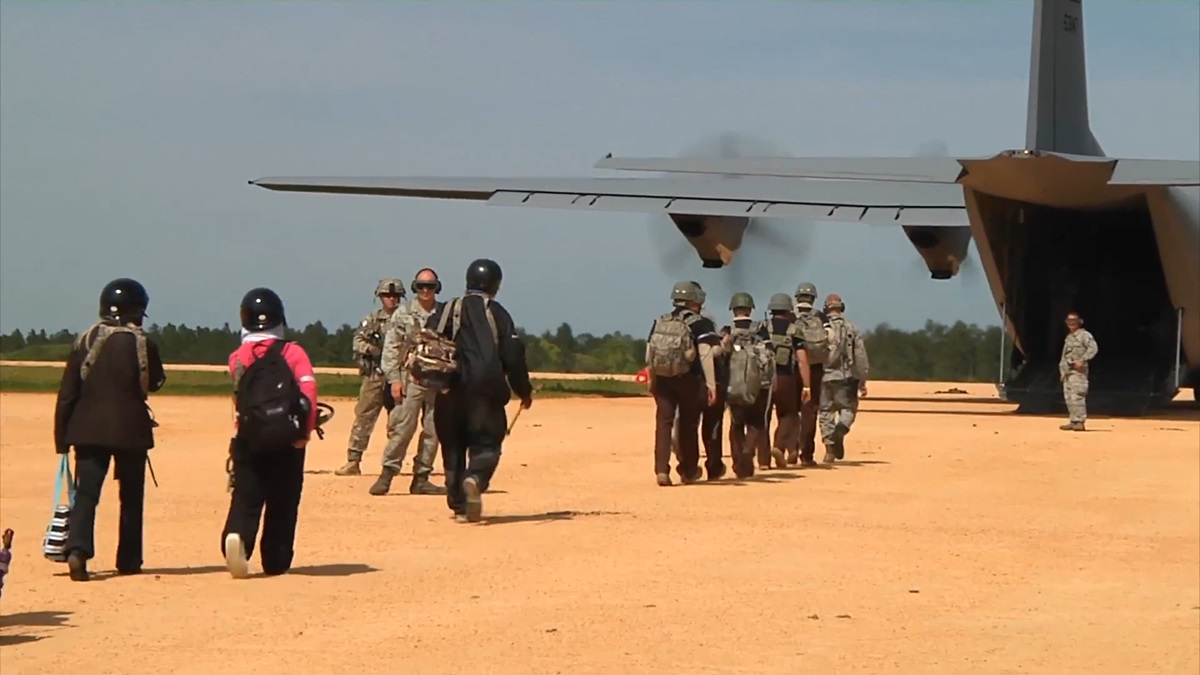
[1058,101]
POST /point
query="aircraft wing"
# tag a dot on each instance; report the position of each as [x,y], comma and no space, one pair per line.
[876,202]
[1179,172]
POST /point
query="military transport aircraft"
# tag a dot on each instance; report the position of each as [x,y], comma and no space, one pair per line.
[1058,226]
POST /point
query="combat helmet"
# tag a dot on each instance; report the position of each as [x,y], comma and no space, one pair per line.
[741,300]
[686,291]
[123,300]
[806,295]
[390,287]
[780,302]
[834,302]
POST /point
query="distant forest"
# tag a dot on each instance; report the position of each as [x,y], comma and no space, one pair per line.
[957,353]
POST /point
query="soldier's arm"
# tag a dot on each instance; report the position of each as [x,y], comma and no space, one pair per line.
[708,347]
[158,375]
[1090,348]
[862,367]
[362,335]
[512,353]
[68,396]
[395,339]
[805,370]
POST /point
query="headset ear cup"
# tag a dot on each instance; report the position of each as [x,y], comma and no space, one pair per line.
[436,289]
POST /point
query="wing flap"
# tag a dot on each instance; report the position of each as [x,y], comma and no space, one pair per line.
[901,169]
[765,197]
[1177,172]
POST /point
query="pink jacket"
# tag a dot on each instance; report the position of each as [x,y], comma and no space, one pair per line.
[295,356]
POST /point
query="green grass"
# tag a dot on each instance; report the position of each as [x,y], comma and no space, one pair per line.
[38,353]
[44,379]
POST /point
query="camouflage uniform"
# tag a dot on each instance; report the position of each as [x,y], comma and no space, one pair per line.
[368,346]
[1079,346]
[844,374]
[417,404]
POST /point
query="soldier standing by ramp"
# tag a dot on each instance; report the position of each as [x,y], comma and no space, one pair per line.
[844,379]
[368,347]
[413,401]
[1078,350]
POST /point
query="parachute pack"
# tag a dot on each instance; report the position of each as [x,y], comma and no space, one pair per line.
[751,366]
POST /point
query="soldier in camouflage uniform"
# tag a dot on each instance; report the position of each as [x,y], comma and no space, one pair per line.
[844,379]
[1078,350]
[413,401]
[368,347]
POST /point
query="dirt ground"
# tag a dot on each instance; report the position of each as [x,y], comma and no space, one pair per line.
[959,538]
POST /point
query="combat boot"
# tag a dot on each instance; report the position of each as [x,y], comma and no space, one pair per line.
[350,468]
[1072,426]
[793,457]
[777,455]
[664,480]
[384,482]
[421,486]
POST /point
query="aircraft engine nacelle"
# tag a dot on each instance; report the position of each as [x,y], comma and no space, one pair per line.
[715,238]
[942,248]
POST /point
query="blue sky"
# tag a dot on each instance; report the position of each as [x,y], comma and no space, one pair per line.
[128,132]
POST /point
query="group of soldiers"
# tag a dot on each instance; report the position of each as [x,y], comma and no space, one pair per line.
[380,342]
[809,366]
[460,361]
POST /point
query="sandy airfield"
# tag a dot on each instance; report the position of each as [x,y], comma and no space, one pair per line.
[959,539]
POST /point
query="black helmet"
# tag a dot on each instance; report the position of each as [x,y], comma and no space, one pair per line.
[123,300]
[262,310]
[484,275]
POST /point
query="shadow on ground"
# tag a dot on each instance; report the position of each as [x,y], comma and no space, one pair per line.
[330,570]
[40,619]
[549,516]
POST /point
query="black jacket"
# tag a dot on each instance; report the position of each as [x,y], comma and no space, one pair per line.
[108,408]
[485,368]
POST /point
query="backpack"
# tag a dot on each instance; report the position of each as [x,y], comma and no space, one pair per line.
[816,339]
[671,349]
[100,334]
[433,359]
[781,347]
[270,406]
[751,366]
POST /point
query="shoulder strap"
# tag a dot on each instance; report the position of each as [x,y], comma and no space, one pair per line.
[98,334]
[447,309]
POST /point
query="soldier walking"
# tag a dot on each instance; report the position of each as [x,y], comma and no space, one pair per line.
[101,411]
[813,332]
[843,381]
[792,375]
[413,401]
[680,351]
[1079,349]
[748,423]
[368,349]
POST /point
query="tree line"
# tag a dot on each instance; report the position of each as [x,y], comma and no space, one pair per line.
[936,352]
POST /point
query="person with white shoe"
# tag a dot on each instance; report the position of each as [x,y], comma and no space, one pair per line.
[275,402]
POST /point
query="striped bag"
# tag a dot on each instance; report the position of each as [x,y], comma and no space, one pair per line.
[54,546]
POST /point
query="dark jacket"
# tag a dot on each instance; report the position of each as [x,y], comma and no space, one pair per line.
[108,408]
[485,368]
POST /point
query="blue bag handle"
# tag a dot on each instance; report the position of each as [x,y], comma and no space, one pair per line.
[64,471]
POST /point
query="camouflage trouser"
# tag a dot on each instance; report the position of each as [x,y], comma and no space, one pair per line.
[366,413]
[402,425]
[1075,389]
[839,405]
